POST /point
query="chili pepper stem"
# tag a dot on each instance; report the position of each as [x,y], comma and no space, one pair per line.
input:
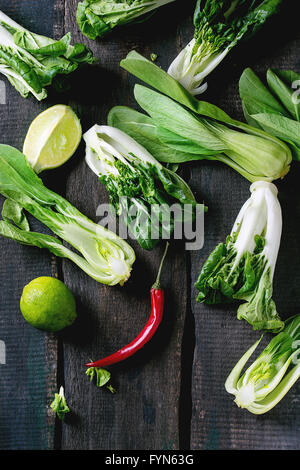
[156,285]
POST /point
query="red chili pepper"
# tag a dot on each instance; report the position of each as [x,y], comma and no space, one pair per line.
[157,303]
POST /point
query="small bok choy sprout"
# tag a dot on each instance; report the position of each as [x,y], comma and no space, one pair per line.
[243,267]
[271,375]
[219,26]
[59,404]
[140,189]
[100,253]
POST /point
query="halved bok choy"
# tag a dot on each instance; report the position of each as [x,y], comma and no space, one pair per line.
[271,375]
[99,252]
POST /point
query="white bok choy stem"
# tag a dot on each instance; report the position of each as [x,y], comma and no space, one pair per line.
[260,215]
[106,144]
[191,67]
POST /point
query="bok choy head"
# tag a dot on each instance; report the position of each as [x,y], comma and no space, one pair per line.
[253,153]
[219,26]
[243,267]
[141,190]
[271,375]
[99,252]
[32,62]
[98,17]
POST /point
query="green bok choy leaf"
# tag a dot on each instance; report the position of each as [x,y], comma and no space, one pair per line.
[271,375]
[100,253]
[32,62]
[96,18]
[274,107]
[256,157]
[140,189]
[243,267]
[219,26]
[197,129]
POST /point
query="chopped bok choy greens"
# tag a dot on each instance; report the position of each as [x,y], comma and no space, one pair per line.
[100,253]
[243,267]
[140,189]
[59,404]
[271,375]
[219,26]
[32,62]
[98,17]
[274,107]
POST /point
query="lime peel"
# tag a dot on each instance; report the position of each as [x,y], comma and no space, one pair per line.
[47,304]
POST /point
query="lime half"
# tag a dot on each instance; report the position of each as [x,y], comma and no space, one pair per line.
[52,138]
[47,304]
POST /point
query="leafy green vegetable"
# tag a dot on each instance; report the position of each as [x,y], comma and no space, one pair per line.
[32,62]
[243,267]
[256,157]
[140,188]
[143,129]
[266,150]
[219,26]
[281,84]
[59,404]
[276,109]
[98,17]
[100,253]
[256,96]
[271,375]
[101,376]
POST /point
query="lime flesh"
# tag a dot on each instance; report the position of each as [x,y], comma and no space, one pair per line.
[47,304]
[52,138]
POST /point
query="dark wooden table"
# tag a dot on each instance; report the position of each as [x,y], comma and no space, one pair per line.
[170,396]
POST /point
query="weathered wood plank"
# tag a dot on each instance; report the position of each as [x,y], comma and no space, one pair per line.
[144,412]
[217,423]
[28,379]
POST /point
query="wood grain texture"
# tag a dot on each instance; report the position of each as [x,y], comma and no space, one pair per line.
[28,379]
[221,339]
[144,413]
[171,395]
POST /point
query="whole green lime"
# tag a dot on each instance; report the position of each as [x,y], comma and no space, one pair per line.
[47,304]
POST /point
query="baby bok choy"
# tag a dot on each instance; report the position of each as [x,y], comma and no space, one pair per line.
[140,189]
[271,375]
[100,253]
[219,26]
[253,153]
[32,62]
[243,267]
[98,17]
